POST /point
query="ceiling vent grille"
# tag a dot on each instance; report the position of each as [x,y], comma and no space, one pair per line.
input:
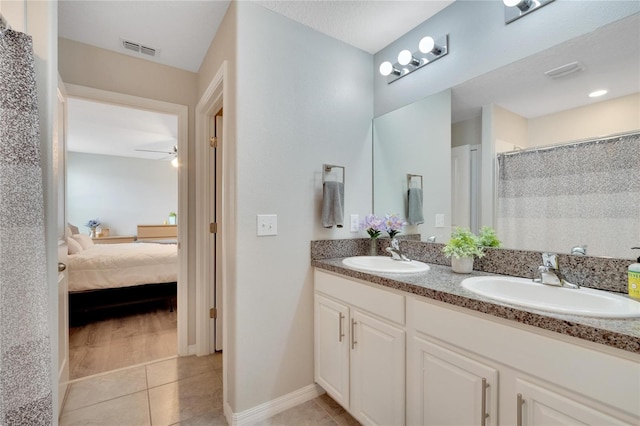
[565,70]
[137,47]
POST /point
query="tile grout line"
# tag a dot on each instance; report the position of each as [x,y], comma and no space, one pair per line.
[326,410]
[146,378]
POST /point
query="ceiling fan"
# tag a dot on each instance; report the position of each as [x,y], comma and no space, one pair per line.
[173,153]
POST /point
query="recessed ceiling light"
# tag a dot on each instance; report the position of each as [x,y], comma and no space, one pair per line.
[597,93]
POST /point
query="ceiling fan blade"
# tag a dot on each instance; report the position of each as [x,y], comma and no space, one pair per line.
[153,150]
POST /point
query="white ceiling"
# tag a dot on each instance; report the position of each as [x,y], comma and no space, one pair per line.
[611,56]
[107,129]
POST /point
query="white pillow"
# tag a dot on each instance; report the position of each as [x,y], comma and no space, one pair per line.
[74,246]
[74,229]
[85,241]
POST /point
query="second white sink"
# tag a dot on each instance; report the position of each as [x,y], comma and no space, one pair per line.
[384,264]
[525,292]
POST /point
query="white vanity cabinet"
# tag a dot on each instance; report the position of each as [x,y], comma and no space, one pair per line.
[447,388]
[360,348]
[534,378]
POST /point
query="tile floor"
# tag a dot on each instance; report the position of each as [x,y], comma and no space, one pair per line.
[177,391]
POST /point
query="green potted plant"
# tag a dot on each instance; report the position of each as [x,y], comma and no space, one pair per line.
[488,238]
[462,248]
[172,218]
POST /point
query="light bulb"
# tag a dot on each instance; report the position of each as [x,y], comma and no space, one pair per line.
[174,162]
[404,57]
[386,68]
[597,93]
[511,3]
[427,44]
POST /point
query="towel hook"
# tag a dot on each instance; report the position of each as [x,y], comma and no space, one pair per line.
[327,169]
[410,177]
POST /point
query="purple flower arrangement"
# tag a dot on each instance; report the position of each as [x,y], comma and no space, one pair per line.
[374,225]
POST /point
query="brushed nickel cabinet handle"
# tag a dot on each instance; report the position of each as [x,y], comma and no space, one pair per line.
[520,402]
[340,328]
[483,409]
[61,267]
[353,333]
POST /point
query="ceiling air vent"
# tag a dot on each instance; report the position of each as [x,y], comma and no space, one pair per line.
[565,70]
[137,47]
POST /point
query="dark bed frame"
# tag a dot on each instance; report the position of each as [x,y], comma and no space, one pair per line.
[91,305]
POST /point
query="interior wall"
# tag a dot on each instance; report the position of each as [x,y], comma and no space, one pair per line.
[90,66]
[303,99]
[467,132]
[480,42]
[599,119]
[123,192]
[510,130]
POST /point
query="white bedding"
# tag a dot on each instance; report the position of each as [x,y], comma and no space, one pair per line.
[122,265]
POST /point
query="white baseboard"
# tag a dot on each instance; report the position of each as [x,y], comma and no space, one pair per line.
[273,407]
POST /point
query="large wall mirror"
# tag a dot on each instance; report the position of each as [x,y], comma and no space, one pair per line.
[519,107]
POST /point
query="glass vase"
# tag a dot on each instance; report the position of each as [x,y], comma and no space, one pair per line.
[373,247]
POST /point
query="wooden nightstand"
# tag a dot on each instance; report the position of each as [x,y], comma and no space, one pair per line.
[114,239]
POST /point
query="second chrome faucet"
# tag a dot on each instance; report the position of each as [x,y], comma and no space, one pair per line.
[548,273]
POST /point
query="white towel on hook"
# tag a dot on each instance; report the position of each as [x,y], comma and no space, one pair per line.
[332,204]
[414,206]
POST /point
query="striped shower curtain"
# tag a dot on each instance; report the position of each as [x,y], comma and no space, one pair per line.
[556,198]
[25,347]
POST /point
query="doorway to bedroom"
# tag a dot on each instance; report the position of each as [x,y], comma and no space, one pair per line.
[126,167]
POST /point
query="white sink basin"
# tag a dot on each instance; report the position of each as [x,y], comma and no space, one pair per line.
[384,264]
[583,301]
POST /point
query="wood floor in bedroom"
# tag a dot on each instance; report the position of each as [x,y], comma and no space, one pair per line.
[124,341]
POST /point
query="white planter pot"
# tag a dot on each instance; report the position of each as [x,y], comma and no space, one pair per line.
[463,265]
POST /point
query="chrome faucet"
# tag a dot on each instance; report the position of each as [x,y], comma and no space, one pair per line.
[579,250]
[396,253]
[549,273]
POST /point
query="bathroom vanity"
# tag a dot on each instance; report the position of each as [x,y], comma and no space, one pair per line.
[418,349]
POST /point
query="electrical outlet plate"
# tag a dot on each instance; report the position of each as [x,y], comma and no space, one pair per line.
[440,221]
[267,224]
[355,223]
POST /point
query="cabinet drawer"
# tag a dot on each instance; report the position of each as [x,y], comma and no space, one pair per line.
[382,303]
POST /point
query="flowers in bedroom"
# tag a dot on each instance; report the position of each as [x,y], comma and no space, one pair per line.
[92,224]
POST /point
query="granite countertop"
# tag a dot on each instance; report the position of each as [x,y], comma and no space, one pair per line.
[442,284]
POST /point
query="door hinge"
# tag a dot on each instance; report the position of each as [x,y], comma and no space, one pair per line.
[213,313]
[213,141]
[213,228]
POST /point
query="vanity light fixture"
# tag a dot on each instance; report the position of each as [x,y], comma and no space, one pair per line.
[429,50]
[515,9]
[174,162]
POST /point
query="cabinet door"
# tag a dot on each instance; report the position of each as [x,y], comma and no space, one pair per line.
[377,371]
[543,406]
[332,348]
[448,388]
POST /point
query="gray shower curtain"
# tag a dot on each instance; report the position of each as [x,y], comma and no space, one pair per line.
[583,193]
[25,347]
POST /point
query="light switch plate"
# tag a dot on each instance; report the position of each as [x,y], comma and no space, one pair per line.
[267,224]
[439,221]
[355,223]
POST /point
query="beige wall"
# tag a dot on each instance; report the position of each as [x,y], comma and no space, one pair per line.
[103,69]
[509,129]
[599,119]
[467,132]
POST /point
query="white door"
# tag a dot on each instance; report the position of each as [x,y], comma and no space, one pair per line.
[460,186]
[377,371]
[542,406]
[332,339]
[448,388]
[59,174]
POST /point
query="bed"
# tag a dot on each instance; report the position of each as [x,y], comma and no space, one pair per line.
[104,277]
